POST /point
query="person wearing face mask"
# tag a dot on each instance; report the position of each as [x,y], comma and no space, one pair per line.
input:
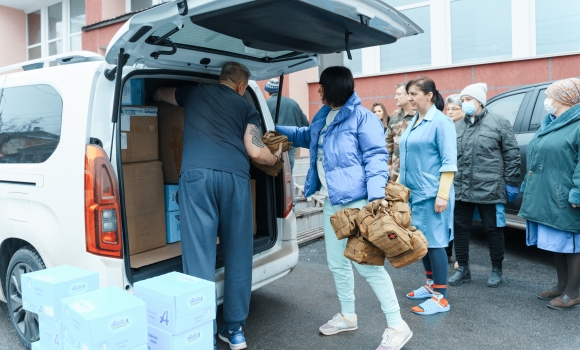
[551,188]
[488,162]
[428,163]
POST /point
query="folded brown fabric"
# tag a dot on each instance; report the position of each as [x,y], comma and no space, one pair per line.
[273,143]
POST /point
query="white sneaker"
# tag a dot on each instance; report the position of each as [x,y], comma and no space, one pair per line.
[395,339]
[338,324]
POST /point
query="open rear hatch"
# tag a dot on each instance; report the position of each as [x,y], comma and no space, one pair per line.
[271,37]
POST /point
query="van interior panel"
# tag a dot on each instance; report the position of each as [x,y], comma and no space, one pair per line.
[277,25]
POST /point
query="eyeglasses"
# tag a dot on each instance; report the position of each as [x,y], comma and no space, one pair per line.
[453,109]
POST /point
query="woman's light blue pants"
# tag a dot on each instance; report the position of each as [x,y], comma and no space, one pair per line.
[341,268]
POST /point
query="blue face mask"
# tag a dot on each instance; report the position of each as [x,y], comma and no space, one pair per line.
[469,108]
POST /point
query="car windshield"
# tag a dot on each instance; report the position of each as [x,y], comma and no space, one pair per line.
[192,36]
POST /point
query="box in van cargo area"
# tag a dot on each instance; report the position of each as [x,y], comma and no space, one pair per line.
[177,302]
[134,92]
[173,227]
[50,332]
[109,318]
[139,134]
[171,123]
[144,207]
[171,197]
[42,290]
[69,346]
[199,338]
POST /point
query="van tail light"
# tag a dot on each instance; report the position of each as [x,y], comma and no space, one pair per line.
[102,219]
[288,190]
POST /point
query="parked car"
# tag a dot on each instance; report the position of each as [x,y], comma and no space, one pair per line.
[524,108]
[62,190]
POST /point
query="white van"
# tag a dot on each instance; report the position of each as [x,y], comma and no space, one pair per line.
[62,190]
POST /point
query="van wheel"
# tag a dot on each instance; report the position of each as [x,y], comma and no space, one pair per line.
[25,323]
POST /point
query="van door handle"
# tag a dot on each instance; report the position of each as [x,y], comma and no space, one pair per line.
[22,179]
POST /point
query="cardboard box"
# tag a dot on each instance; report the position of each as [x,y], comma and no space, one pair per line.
[42,290]
[139,134]
[171,123]
[173,228]
[109,318]
[144,206]
[171,197]
[177,302]
[134,92]
[50,332]
[200,338]
[253,187]
[36,346]
[69,346]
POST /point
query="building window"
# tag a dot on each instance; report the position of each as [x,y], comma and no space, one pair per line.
[77,18]
[34,25]
[556,26]
[400,3]
[138,5]
[411,52]
[355,65]
[481,30]
[55,29]
[31,131]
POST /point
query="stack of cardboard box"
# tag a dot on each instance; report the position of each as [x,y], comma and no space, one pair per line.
[173,228]
[180,311]
[42,292]
[142,171]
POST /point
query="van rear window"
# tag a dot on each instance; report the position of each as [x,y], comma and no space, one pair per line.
[30,123]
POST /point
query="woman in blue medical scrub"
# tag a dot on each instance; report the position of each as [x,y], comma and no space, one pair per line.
[428,151]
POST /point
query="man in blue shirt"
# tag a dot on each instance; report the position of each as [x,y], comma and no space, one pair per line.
[221,134]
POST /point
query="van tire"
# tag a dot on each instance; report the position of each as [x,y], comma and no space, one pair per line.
[25,323]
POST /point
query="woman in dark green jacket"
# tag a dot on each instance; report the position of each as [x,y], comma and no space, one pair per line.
[551,189]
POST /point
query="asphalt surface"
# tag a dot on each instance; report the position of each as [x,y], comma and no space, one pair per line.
[287,313]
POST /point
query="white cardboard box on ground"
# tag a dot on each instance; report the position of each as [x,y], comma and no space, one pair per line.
[177,302]
[69,346]
[109,318]
[199,338]
[50,332]
[42,290]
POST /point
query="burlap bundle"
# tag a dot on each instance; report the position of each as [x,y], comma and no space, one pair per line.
[273,143]
[397,192]
[343,223]
[359,250]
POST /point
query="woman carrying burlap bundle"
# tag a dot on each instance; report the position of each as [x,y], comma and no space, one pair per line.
[348,165]
[428,164]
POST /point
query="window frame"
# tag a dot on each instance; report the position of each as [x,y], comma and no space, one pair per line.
[128,6]
[44,29]
[524,105]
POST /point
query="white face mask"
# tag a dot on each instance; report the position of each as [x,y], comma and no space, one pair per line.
[548,106]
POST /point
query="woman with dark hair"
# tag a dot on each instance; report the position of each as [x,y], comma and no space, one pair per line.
[349,166]
[380,111]
[428,164]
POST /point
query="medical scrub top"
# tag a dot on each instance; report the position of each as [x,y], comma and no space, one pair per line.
[426,151]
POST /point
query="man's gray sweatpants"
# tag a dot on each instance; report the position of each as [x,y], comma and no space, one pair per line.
[215,203]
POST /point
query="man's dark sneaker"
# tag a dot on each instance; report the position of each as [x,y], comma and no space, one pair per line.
[236,339]
[495,279]
[550,294]
[463,274]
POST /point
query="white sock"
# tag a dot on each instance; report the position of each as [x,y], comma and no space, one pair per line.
[398,327]
[348,316]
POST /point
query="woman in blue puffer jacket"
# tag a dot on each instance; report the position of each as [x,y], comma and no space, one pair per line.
[348,165]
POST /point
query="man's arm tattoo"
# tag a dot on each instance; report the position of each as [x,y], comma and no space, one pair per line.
[256,136]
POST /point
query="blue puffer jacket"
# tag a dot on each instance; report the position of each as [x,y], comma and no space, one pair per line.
[355,154]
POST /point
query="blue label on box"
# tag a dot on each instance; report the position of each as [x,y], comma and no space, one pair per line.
[199,338]
[173,228]
[177,302]
[109,317]
[171,197]
[42,290]
[134,92]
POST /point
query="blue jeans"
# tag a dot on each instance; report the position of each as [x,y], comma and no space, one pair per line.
[215,203]
[341,269]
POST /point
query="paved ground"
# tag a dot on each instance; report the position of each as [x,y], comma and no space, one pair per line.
[287,313]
